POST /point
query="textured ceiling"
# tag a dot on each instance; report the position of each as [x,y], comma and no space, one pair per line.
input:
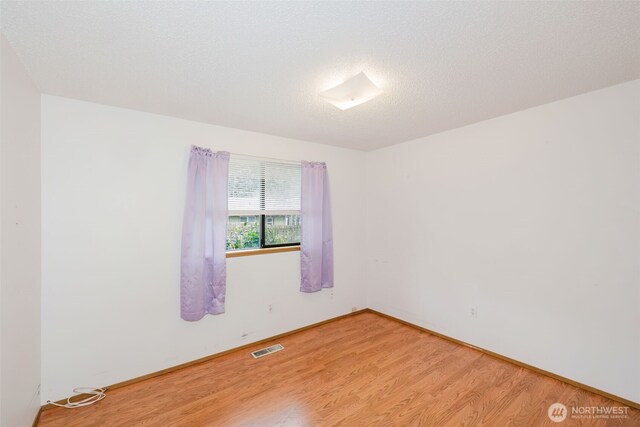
[260,65]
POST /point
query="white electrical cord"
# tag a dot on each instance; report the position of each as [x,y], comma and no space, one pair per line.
[97,394]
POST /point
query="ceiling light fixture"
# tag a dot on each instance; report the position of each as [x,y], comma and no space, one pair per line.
[352,92]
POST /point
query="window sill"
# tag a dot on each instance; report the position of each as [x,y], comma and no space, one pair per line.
[263,251]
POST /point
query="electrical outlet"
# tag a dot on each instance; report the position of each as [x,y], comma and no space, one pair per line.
[270,307]
[474,312]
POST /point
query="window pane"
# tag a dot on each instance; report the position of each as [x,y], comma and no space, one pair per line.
[282,186]
[245,188]
[257,186]
[282,229]
[243,232]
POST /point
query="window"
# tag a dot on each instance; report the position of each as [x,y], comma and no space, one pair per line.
[264,203]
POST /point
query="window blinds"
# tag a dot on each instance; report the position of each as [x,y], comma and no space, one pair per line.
[263,187]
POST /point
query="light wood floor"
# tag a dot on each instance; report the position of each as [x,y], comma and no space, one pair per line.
[357,371]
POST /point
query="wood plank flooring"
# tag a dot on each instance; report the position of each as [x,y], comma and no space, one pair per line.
[358,371]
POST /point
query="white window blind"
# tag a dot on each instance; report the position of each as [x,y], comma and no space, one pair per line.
[263,187]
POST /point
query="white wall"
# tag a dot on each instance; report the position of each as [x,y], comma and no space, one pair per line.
[20,242]
[533,218]
[113,184]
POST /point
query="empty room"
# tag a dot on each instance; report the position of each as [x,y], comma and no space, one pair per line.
[319,213]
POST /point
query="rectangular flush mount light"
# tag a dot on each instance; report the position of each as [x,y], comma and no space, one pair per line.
[355,91]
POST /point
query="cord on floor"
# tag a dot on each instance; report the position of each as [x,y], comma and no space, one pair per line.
[96,395]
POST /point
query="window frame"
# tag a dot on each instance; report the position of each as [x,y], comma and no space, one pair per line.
[263,247]
[263,221]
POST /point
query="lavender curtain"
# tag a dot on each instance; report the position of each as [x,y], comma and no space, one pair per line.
[316,236]
[203,275]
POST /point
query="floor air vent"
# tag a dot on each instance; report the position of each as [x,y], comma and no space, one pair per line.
[259,353]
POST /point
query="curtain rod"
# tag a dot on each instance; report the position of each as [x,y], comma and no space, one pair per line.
[254,157]
[266,158]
